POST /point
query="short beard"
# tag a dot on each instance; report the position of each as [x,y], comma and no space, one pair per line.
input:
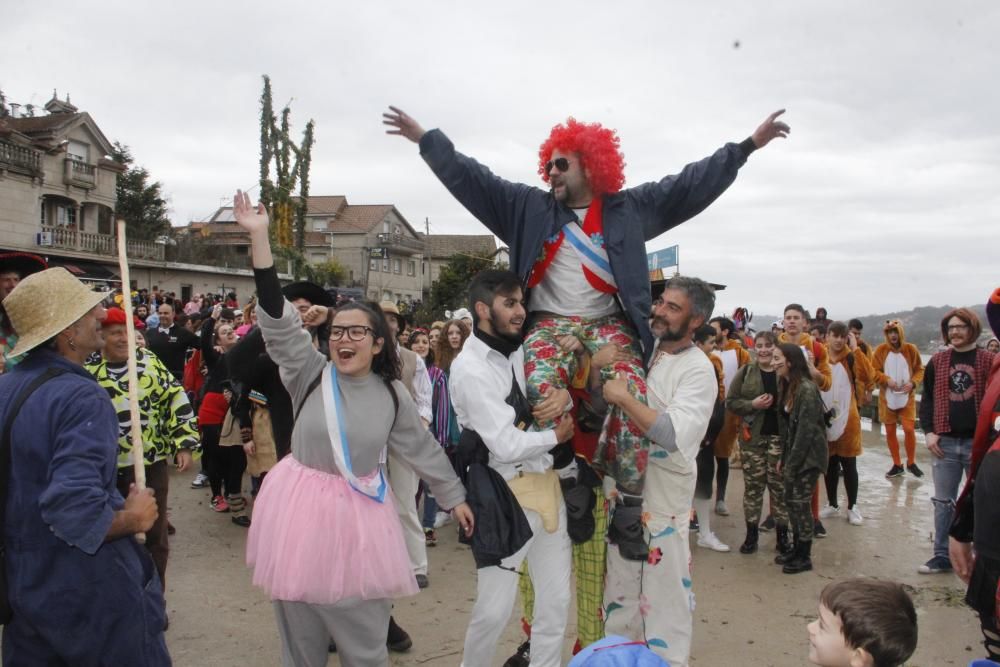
[674,336]
[515,338]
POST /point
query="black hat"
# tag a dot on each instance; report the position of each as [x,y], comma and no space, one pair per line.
[311,292]
[22,263]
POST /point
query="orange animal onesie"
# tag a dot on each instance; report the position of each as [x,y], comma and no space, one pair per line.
[849,442]
[902,364]
[730,359]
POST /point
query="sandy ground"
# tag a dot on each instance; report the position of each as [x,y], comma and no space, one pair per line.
[748,612]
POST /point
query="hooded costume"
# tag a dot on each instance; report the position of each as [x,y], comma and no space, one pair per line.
[901,364]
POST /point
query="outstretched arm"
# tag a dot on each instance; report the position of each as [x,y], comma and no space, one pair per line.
[403,124]
[769,129]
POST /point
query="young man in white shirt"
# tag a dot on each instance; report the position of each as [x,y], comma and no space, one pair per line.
[490,369]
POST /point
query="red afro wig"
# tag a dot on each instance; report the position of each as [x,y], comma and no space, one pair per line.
[599,151]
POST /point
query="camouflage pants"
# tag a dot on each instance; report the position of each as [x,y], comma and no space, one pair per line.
[760,472]
[798,500]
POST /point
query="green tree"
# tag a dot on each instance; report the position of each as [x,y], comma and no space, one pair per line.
[327,274]
[140,201]
[451,290]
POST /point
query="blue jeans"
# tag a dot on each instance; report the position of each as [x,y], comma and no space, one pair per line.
[430,507]
[947,473]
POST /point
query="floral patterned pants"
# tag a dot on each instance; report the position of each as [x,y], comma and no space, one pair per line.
[622,451]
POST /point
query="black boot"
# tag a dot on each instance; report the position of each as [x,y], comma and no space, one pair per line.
[522,657]
[787,552]
[781,544]
[749,545]
[802,561]
[397,640]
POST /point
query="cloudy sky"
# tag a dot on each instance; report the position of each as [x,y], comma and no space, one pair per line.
[886,195]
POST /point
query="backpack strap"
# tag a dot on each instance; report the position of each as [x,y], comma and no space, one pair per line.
[309,390]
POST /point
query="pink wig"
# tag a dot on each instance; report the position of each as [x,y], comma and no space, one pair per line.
[599,151]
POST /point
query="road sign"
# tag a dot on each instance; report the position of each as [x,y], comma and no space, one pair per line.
[662,258]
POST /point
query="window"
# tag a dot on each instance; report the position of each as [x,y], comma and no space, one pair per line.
[65,216]
[385,265]
[397,266]
[385,226]
[319,225]
[352,275]
[77,150]
[373,265]
[411,268]
[104,222]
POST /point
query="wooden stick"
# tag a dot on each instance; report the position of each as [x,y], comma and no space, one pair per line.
[138,460]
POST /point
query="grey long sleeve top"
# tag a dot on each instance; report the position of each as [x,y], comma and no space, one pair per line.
[368,419]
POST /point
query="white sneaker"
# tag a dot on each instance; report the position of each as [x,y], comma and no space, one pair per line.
[854,517]
[710,541]
[442,519]
[829,512]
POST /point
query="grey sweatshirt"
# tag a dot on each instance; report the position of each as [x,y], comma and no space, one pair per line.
[367,411]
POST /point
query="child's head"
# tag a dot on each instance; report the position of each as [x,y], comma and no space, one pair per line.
[863,623]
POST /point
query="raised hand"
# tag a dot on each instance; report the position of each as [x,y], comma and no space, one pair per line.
[403,124]
[247,216]
[770,129]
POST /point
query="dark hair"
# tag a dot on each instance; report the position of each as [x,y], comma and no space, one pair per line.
[968,317]
[489,284]
[855,323]
[824,313]
[227,314]
[818,326]
[429,361]
[767,335]
[838,329]
[725,324]
[876,616]
[794,306]
[798,371]
[703,333]
[181,319]
[445,354]
[386,363]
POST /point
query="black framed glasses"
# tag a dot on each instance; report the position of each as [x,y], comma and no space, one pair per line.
[355,333]
[560,163]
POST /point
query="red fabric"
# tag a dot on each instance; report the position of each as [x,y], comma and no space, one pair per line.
[193,380]
[980,441]
[213,409]
[942,373]
[593,223]
[117,316]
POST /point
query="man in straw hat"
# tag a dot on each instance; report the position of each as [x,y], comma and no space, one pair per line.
[82,590]
[14,267]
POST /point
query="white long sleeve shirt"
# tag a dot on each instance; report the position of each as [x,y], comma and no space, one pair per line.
[479,383]
[423,393]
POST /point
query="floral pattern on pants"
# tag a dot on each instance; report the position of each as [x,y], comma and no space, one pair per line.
[622,450]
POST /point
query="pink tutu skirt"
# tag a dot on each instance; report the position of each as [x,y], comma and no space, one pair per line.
[315,539]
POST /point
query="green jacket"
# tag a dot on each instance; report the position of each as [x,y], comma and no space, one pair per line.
[806,446]
[168,421]
[747,385]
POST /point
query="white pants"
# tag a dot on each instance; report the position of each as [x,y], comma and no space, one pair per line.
[549,557]
[404,483]
[652,600]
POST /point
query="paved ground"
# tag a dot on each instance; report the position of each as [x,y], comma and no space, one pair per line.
[748,611]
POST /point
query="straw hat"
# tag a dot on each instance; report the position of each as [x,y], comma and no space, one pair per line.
[389,308]
[45,303]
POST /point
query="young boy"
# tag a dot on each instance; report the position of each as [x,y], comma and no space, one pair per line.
[863,623]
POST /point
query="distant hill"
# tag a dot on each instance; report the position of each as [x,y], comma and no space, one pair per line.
[922,324]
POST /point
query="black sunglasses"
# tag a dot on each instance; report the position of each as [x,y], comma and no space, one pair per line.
[560,163]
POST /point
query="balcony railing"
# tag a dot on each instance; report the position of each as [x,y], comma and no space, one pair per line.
[100,244]
[20,159]
[79,173]
[400,242]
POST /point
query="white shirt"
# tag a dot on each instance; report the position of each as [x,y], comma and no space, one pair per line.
[684,387]
[479,383]
[564,289]
[423,393]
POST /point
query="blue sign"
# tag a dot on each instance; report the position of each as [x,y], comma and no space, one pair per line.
[662,258]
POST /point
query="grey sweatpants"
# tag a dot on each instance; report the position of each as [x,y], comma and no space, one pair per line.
[359,627]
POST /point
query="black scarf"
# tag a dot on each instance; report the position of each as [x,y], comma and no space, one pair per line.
[504,346]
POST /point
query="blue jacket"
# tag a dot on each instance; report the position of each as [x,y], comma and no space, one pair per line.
[73,595]
[523,216]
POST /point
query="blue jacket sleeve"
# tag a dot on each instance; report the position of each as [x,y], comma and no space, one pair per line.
[499,204]
[682,196]
[80,501]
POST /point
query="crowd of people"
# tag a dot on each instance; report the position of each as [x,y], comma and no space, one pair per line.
[574,421]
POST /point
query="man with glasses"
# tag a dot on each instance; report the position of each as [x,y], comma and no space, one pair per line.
[580,249]
[955,381]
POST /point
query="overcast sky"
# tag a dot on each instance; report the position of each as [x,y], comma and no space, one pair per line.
[886,195]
